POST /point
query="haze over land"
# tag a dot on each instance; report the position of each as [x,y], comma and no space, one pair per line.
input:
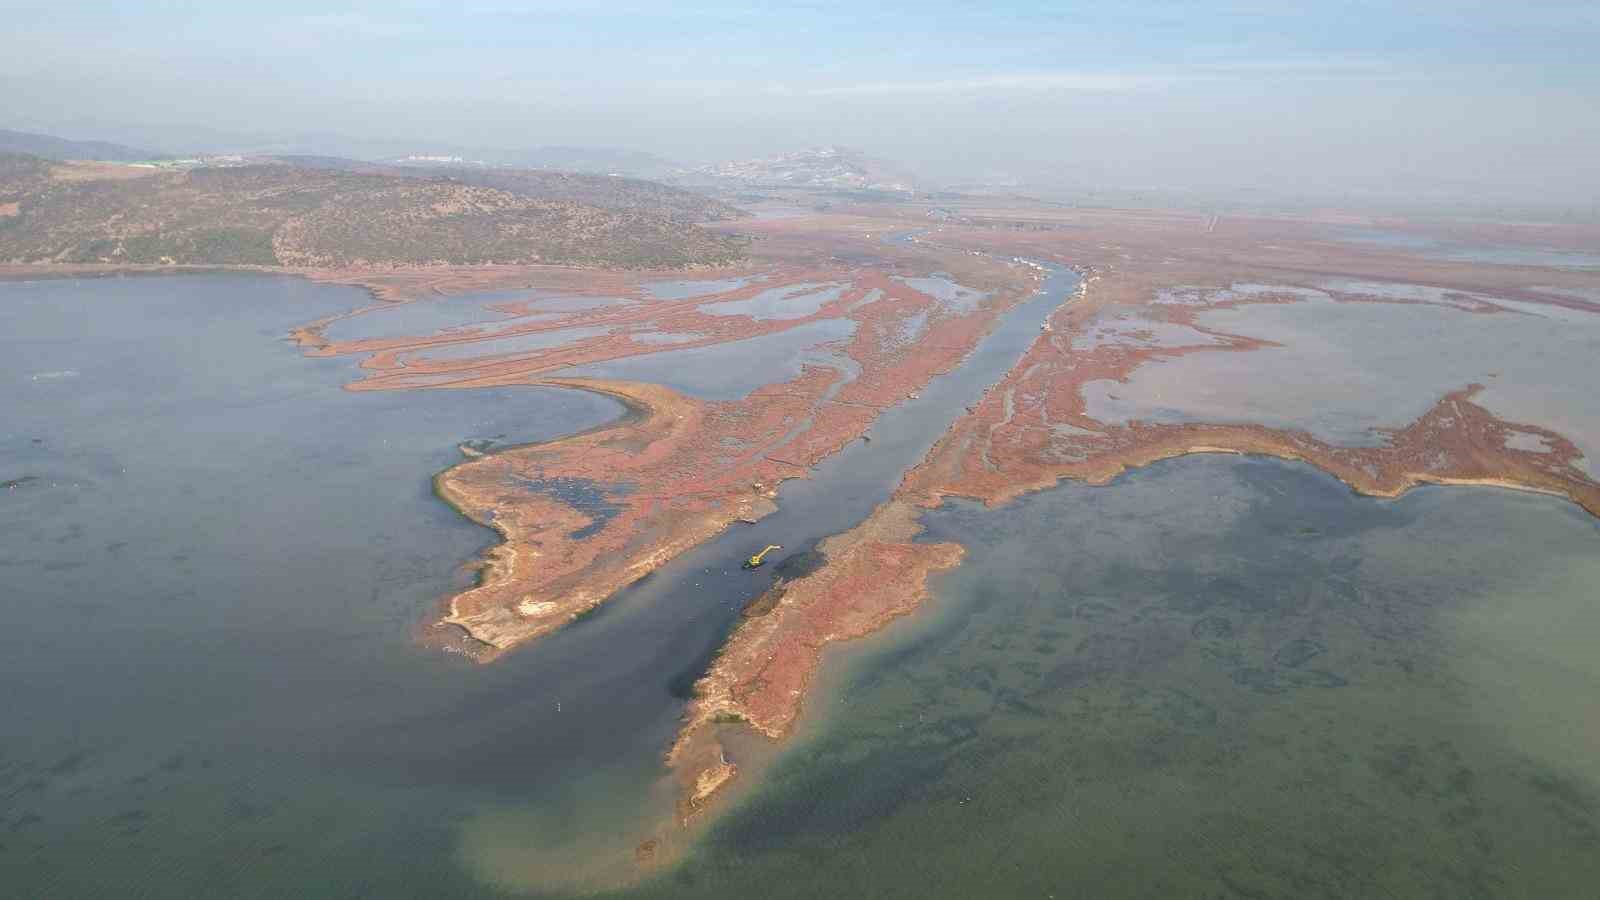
[925,452]
[1473,103]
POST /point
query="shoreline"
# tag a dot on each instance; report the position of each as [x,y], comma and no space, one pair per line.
[759,681]
[388,284]
[671,474]
[742,691]
[484,612]
[1454,425]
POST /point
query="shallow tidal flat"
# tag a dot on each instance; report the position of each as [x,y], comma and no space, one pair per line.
[1412,419]
[1212,677]
[733,385]
[1343,371]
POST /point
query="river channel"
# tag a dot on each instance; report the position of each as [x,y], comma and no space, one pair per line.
[214,563]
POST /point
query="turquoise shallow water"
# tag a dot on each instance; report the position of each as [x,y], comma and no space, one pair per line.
[1217,677]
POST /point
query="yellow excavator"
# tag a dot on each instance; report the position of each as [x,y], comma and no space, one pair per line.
[761,557]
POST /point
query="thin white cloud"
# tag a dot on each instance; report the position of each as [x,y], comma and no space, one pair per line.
[1354,65]
[1095,82]
[1108,81]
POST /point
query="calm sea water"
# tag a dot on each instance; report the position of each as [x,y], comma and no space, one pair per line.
[1459,251]
[1217,677]
[214,560]
[1213,677]
[1344,370]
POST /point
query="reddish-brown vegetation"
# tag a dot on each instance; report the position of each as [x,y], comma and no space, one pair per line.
[584,516]
[874,573]
[1032,429]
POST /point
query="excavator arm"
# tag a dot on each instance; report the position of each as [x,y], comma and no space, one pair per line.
[761,557]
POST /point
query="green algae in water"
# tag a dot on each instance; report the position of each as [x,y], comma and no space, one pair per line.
[1166,688]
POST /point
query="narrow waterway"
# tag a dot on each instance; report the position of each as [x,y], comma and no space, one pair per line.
[1217,676]
[659,635]
[214,557]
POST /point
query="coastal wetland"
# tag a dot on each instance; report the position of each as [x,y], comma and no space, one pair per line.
[1221,676]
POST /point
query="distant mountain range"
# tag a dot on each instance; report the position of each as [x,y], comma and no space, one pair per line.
[592,160]
[822,168]
[828,168]
[51,147]
[597,160]
[604,160]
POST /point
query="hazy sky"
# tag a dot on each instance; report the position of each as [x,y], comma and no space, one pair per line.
[1462,94]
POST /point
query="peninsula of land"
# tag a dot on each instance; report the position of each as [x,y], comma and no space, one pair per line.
[1036,426]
